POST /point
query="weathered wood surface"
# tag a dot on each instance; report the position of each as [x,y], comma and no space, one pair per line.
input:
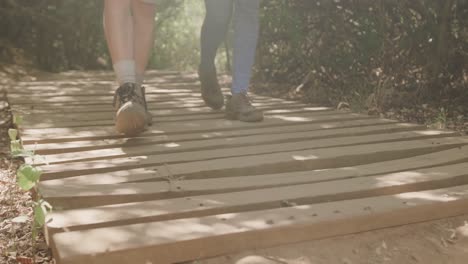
[195,185]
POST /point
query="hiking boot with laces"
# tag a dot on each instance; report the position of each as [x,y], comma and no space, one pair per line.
[210,89]
[239,107]
[132,114]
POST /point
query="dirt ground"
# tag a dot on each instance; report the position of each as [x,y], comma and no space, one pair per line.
[15,236]
[436,242]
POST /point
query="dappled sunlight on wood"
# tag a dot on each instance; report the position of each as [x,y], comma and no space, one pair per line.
[432,132]
[328,126]
[405,177]
[303,167]
[302,158]
[172,145]
[317,108]
[211,135]
[430,196]
[310,217]
[107,178]
[291,118]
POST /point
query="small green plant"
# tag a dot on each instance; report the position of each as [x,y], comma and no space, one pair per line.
[16,146]
[441,119]
[28,177]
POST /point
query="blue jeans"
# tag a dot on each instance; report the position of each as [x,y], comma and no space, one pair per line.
[245,16]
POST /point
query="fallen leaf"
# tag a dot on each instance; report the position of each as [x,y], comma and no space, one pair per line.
[20,219]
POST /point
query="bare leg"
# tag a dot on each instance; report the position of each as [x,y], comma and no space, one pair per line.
[118,29]
[129,42]
[143,25]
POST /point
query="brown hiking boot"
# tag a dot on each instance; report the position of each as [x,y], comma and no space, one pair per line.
[132,114]
[210,89]
[239,107]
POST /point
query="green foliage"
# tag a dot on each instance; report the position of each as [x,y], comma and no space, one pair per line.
[22,153]
[176,43]
[15,146]
[412,47]
[28,176]
[39,215]
[41,209]
[17,120]
[68,35]
[371,48]
[56,35]
[177,37]
[13,134]
[440,120]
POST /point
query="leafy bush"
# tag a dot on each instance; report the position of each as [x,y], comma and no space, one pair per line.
[367,50]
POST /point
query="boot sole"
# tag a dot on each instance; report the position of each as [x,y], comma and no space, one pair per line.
[130,119]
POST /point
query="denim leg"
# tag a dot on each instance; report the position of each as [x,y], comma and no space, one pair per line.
[214,29]
[246,27]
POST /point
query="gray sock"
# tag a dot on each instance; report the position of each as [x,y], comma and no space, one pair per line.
[125,71]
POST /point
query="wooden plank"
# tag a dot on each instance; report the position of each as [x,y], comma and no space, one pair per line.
[79,133]
[107,107]
[156,110]
[78,100]
[173,91]
[85,98]
[97,84]
[178,143]
[75,76]
[61,79]
[100,88]
[107,88]
[171,114]
[221,169]
[192,239]
[107,99]
[226,195]
[103,88]
[72,76]
[291,117]
[244,159]
[67,101]
[297,141]
[312,130]
[75,120]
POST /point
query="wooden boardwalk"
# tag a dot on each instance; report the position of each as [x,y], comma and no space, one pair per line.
[195,185]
